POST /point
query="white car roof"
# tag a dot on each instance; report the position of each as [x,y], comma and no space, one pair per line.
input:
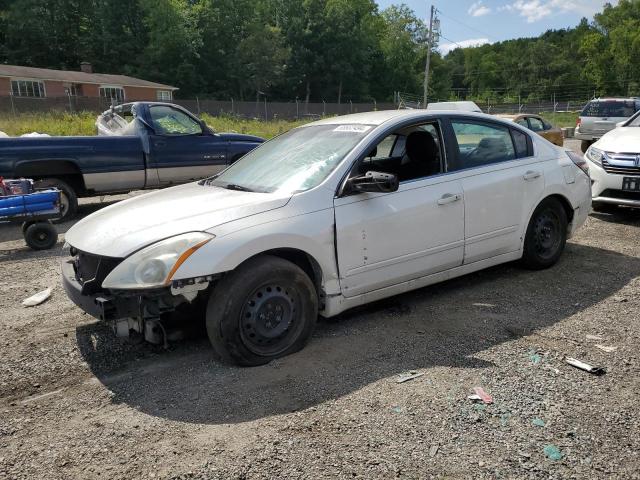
[382,116]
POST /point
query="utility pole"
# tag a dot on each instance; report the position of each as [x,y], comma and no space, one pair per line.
[426,68]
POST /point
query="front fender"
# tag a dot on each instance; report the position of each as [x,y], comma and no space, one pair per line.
[311,233]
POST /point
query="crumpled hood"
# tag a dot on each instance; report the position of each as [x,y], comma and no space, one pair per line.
[620,140]
[127,226]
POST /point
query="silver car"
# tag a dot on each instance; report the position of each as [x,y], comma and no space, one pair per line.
[601,115]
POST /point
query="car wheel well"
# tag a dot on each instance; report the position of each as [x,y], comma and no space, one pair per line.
[302,259]
[566,205]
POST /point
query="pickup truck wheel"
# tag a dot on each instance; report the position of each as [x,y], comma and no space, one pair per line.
[265,309]
[68,198]
[546,235]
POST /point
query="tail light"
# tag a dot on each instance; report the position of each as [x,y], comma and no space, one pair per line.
[578,161]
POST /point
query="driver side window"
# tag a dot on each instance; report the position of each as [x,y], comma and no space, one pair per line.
[411,153]
[169,121]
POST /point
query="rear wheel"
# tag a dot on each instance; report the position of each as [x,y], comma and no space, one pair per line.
[68,197]
[41,235]
[546,235]
[584,145]
[265,309]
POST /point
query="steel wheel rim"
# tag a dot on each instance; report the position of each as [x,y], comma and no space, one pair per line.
[547,234]
[269,322]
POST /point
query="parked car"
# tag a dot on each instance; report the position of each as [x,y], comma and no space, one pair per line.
[161,145]
[615,166]
[601,115]
[326,217]
[538,125]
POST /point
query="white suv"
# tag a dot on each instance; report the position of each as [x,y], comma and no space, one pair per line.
[328,216]
[615,166]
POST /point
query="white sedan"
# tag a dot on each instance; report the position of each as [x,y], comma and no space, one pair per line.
[328,216]
[614,162]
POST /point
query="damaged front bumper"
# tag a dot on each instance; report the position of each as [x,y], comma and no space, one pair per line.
[109,307]
[132,310]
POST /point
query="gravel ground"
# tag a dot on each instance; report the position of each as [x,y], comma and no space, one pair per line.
[76,402]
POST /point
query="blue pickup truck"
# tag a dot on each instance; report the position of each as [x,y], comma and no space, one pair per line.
[141,145]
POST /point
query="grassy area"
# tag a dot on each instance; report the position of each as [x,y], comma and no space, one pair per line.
[561,119]
[83,123]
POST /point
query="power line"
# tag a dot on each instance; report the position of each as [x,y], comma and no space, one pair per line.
[464,24]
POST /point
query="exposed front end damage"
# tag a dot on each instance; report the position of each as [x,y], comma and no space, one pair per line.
[126,311]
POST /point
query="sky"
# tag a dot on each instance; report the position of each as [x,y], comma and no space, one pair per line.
[474,22]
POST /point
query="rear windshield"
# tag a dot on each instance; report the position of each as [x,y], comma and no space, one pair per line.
[613,108]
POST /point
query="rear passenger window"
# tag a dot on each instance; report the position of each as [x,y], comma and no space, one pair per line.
[482,144]
[536,124]
[520,142]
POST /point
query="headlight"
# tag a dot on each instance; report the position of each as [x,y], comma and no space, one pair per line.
[595,155]
[155,265]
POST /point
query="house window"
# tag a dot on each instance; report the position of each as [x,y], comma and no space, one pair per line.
[27,88]
[73,90]
[164,95]
[115,94]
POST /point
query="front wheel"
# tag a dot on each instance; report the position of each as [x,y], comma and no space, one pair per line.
[546,235]
[265,309]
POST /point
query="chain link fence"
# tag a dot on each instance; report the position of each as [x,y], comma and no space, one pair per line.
[262,110]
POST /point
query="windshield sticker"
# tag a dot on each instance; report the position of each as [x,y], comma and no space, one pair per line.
[353,128]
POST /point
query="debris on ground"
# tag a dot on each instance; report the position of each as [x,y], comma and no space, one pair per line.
[535,357]
[433,450]
[552,452]
[405,377]
[396,409]
[585,366]
[480,396]
[538,422]
[37,299]
[605,348]
[595,338]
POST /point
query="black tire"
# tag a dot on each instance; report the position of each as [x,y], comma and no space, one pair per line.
[604,207]
[265,309]
[546,235]
[68,198]
[41,236]
[585,144]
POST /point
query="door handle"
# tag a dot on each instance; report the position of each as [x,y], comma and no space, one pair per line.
[449,198]
[160,143]
[531,175]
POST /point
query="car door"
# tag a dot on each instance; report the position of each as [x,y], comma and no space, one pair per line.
[384,239]
[502,181]
[181,150]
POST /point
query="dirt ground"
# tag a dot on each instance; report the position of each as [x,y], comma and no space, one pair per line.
[75,402]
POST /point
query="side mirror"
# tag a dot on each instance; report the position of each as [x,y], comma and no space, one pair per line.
[375,182]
